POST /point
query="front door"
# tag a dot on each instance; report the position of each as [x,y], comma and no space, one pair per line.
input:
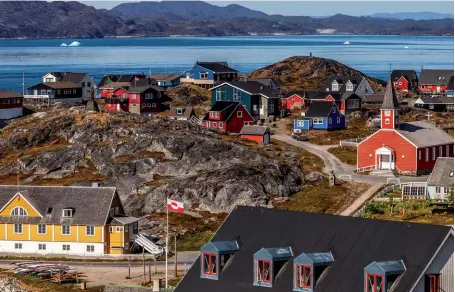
[438,89]
[386,161]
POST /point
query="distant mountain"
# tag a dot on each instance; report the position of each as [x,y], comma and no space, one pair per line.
[414,15]
[40,19]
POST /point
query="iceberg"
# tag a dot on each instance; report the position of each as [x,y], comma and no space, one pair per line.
[346,43]
[63,45]
[73,44]
[406,47]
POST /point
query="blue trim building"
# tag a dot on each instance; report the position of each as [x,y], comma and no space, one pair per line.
[321,115]
[209,74]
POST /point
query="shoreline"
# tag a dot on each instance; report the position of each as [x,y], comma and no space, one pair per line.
[252,35]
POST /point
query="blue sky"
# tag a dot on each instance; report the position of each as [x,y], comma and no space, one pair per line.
[322,8]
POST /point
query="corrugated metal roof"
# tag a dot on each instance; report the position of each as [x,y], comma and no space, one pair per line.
[442,174]
[424,134]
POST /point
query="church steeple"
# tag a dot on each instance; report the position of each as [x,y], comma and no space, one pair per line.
[389,108]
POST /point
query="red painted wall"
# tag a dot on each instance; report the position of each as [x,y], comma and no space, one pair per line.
[329,98]
[10,102]
[235,124]
[289,102]
[431,88]
[422,164]
[211,125]
[393,140]
[256,138]
[106,92]
[393,123]
[404,84]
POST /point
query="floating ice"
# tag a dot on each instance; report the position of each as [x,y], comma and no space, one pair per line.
[73,44]
[346,43]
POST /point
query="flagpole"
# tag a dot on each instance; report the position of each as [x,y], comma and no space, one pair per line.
[167,237]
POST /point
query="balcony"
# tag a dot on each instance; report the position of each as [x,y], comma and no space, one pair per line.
[38,96]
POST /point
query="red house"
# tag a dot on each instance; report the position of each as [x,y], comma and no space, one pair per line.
[434,82]
[293,99]
[109,83]
[11,105]
[347,102]
[407,148]
[227,116]
[138,99]
[405,80]
[260,134]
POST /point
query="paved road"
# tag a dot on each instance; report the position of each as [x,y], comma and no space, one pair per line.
[331,162]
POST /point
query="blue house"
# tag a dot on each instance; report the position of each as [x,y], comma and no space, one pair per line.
[167,80]
[260,101]
[209,74]
[321,115]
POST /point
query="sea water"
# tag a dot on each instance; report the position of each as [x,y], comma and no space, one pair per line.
[373,55]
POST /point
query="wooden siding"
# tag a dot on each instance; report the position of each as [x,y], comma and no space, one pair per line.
[422,164]
[19,201]
[247,100]
[294,100]
[391,139]
[441,264]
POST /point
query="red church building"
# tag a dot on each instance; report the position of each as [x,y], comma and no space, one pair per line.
[227,116]
[407,148]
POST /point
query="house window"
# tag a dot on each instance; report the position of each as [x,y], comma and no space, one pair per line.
[153,104]
[338,120]
[41,228]
[18,228]
[58,91]
[90,230]
[66,247]
[204,75]
[387,121]
[246,123]
[263,271]
[438,190]
[66,230]
[431,106]
[330,120]
[125,96]
[221,125]
[209,266]
[440,151]
[179,111]
[334,86]
[353,104]
[236,94]
[18,211]
[300,123]
[83,84]
[111,229]
[449,107]
[214,124]
[149,105]
[317,121]
[420,154]
[447,151]
[434,153]
[220,93]
[74,91]
[41,246]
[432,283]
[303,276]
[68,213]
[49,79]
[89,84]
[90,248]
[149,96]
[18,246]
[271,107]
[375,283]
[239,114]
[119,229]
[43,91]
[104,90]
[349,87]
[427,154]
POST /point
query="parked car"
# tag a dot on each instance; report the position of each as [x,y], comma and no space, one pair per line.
[300,137]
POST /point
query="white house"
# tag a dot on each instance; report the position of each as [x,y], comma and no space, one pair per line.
[83,79]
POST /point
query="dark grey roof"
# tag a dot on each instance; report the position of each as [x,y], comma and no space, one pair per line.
[354,242]
[144,82]
[390,97]
[119,78]
[408,74]
[266,81]
[435,77]
[435,100]
[320,95]
[69,76]
[56,85]
[450,85]
[442,174]
[187,111]
[254,130]
[355,80]
[319,109]
[140,89]
[373,98]
[91,204]
[227,107]
[300,93]
[252,87]
[424,134]
[217,67]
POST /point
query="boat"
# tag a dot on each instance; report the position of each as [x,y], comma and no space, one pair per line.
[346,43]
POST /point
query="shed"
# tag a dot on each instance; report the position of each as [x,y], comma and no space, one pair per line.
[260,134]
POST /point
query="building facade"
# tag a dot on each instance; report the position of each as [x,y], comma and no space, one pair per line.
[61,91]
[342,84]
[86,221]
[227,116]
[83,79]
[11,105]
[405,80]
[209,74]
[321,115]
[434,81]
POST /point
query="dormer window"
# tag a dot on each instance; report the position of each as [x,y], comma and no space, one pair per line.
[19,212]
[383,276]
[309,268]
[268,263]
[215,257]
[180,111]
[68,213]
[335,86]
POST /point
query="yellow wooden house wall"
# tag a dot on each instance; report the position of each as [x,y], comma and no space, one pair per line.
[19,201]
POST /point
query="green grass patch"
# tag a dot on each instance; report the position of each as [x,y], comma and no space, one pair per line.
[194,240]
[346,154]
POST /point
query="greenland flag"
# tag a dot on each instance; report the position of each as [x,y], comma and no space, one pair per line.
[174,206]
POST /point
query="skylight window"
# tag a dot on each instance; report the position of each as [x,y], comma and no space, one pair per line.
[68,212]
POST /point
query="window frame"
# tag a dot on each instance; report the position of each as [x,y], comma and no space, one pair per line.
[89,248]
[298,274]
[436,284]
[71,212]
[209,267]
[66,247]
[118,229]
[433,153]
[87,228]
[300,123]
[220,125]
[20,210]
[21,228]
[447,150]
[38,230]
[17,245]
[62,228]
[269,281]
[239,114]
[318,121]
[42,246]
[338,120]
[427,154]
[375,277]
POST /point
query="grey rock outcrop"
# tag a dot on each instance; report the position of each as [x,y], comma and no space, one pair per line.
[10,285]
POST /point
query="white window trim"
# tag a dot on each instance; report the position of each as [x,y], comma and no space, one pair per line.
[111,229]
[300,123]
[318,121]
[427,154]
[91,247]
[66,245]
[17,245]
[38,229]
[19,208]
[420,154]
[22,228]
[86,230]
[42,246]
[433,153]
[61,230]
[220,125]
[71,212]
[118,229]
[239,114]
[179,111]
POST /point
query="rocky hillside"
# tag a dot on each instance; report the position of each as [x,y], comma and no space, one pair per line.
[148,159]
[308,73]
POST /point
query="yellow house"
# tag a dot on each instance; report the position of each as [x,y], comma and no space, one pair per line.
[64,220]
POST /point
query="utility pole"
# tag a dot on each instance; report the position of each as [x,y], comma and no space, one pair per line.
[390,68]
[175,251]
